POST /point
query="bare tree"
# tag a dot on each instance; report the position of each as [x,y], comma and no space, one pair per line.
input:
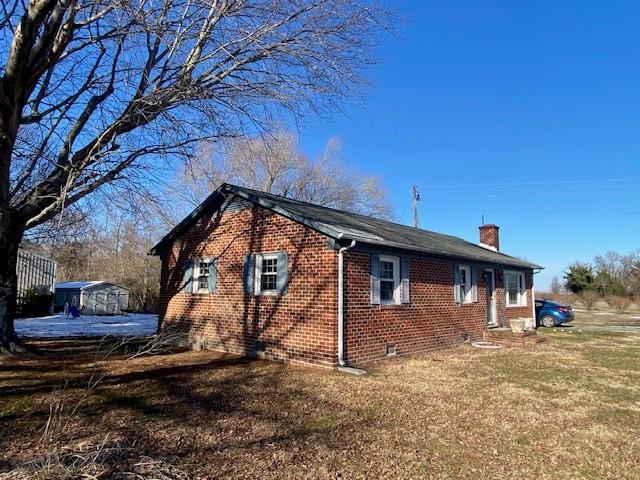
[274,163]
[94,92]
[113,248]
[556,286]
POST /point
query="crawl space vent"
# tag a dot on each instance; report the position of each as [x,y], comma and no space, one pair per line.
[391,350]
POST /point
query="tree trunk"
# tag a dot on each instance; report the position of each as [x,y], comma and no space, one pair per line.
[10,236]
[9,243]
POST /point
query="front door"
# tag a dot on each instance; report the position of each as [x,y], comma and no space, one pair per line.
[491,297]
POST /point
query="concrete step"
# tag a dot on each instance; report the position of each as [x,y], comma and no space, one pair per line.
[504,336]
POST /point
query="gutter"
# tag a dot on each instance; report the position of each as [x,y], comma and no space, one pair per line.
[341,361]
[439,253]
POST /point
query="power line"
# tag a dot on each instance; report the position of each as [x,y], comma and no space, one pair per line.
[547,195]
[538,212]
[549,182]
[564,188]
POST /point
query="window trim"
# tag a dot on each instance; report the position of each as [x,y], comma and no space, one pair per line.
[195,275]
[521,284]
[258,273]
[397,282]
[468,296]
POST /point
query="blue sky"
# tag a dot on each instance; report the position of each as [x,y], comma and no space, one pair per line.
[528,112]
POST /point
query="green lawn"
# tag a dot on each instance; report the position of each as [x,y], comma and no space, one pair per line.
[567,408]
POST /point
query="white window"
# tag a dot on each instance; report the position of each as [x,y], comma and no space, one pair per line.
[267,274]
[515,289]
[464,284]
[389,279]
[201,275]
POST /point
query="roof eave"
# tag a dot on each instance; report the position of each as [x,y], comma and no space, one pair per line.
[413,248]
[175,232]
[322,228]
[225,188]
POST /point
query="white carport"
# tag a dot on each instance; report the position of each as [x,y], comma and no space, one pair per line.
[92,297]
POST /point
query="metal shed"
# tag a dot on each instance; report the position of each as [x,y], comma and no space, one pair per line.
[92,297]
[34,271]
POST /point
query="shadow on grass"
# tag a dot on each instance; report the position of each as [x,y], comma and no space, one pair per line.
[80,380]
[190,415]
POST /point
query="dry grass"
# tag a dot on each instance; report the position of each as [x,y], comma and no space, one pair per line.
[569,408]
[561,298]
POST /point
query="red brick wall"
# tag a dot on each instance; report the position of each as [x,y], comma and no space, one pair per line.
[432,320]
[489,235]
[297,326]
[301,325]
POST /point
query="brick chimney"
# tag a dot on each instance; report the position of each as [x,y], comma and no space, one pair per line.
[489,237]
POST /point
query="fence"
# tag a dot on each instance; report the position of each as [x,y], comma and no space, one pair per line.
[34,272]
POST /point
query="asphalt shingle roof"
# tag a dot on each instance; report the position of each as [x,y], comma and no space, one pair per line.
[343,225]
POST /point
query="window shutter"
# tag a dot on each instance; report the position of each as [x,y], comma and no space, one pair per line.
[404,279]
[249,274]
[474,284]
[283,273]
[187,284]
[257,274]
[213,275]
[456,281]
[375,279]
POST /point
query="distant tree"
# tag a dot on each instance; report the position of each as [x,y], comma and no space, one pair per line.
[631,273]
[635,277]
[579,277]
[74,258]
[556,286]
[114,249]
[610,263]
[607,284]
[274,163]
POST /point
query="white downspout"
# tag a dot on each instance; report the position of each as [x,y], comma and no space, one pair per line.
[341,361]
[533,300]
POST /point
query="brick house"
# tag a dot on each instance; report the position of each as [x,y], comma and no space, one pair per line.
[258,274]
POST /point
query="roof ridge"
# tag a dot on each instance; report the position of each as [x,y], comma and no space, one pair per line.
[259,192]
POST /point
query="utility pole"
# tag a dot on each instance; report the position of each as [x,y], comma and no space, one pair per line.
[416,199]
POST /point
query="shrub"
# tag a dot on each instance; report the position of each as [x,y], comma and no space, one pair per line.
[568,298]
[589,298]
[579,277]
[621,304]
[35,302]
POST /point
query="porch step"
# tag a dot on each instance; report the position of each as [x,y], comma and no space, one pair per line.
[504,336]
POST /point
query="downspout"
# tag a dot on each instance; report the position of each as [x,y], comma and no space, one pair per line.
[341,361]
[533,300]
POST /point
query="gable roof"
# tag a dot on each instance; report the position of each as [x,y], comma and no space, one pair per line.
[346,226]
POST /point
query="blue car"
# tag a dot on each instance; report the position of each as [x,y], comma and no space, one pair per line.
[551,314]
